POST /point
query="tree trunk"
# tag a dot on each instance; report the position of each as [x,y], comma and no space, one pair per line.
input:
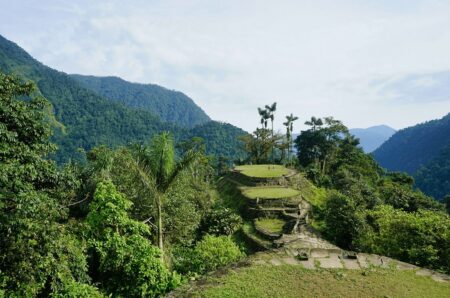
[160,228]
[273,144]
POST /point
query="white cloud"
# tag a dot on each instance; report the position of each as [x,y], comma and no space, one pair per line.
[312,57]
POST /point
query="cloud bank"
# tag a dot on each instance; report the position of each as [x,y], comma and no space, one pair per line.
[364,62]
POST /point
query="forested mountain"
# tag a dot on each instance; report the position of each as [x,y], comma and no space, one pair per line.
[221,139]
[434,177]
[412,147]
[87,119]
[169,105]
[372,137]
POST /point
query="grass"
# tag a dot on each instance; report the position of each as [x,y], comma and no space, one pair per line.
[249,230]
[270,192]
[263,171]
[271,225]
[295,281]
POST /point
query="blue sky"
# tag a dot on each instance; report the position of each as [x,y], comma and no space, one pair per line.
[364,62]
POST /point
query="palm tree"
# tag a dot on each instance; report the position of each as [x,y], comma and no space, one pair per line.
[314,122]
[271,113]
[264,117]
[288,134]
[289,131]
[158,171]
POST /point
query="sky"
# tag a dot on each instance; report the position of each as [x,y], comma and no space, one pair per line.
[365,62]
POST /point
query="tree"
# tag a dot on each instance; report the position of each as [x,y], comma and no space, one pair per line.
[258,145]
[271,113]
[264,117]
[289,131]
[38,253]
[159,171]
[320,145]
[125,262]
[343,219]
[421,237]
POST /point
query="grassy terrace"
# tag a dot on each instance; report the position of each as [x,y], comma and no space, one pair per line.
[270,192]
[263,171]
[271,225]
[294,281]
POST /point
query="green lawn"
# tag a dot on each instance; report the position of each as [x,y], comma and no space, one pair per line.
[271,225]
[295,281]
[263,171]
[270,192]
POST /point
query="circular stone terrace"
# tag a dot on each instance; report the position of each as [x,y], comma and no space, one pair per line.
[263,171]
[269,192]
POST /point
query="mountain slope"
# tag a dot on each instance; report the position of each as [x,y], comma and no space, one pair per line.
[410,148]
[372,137]
[221,139]
[434,178]
[89,119]
[171,106]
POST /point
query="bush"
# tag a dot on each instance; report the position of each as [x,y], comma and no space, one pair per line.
[209,254]
[221,221]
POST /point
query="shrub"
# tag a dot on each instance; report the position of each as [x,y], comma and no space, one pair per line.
[209,254]
[221,221]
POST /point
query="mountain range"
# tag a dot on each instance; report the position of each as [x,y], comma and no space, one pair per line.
[372,137]
[413,147]
[423,151]
[91,111]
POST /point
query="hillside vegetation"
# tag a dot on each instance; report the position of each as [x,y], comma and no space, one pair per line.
[434,177]
[410,148]
[85,119]
[170,106]
[140,219]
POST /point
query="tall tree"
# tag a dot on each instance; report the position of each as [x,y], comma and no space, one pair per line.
[38,254]
[264,117]
[314,123]
[271,113]
[158,170]
[289,131]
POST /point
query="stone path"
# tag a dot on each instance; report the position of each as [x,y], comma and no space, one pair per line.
[334,259]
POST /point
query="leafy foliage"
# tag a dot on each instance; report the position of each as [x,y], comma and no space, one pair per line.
[421,237]
[221,220]
[38,253]
[209,254]
[128,265]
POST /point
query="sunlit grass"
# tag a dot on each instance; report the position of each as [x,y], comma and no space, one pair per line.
[270,192]
[270,225]
[295,281]
[263,171]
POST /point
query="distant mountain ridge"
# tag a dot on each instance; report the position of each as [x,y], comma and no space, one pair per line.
[169,105]
[89,119]
[372,137]
[410,148]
